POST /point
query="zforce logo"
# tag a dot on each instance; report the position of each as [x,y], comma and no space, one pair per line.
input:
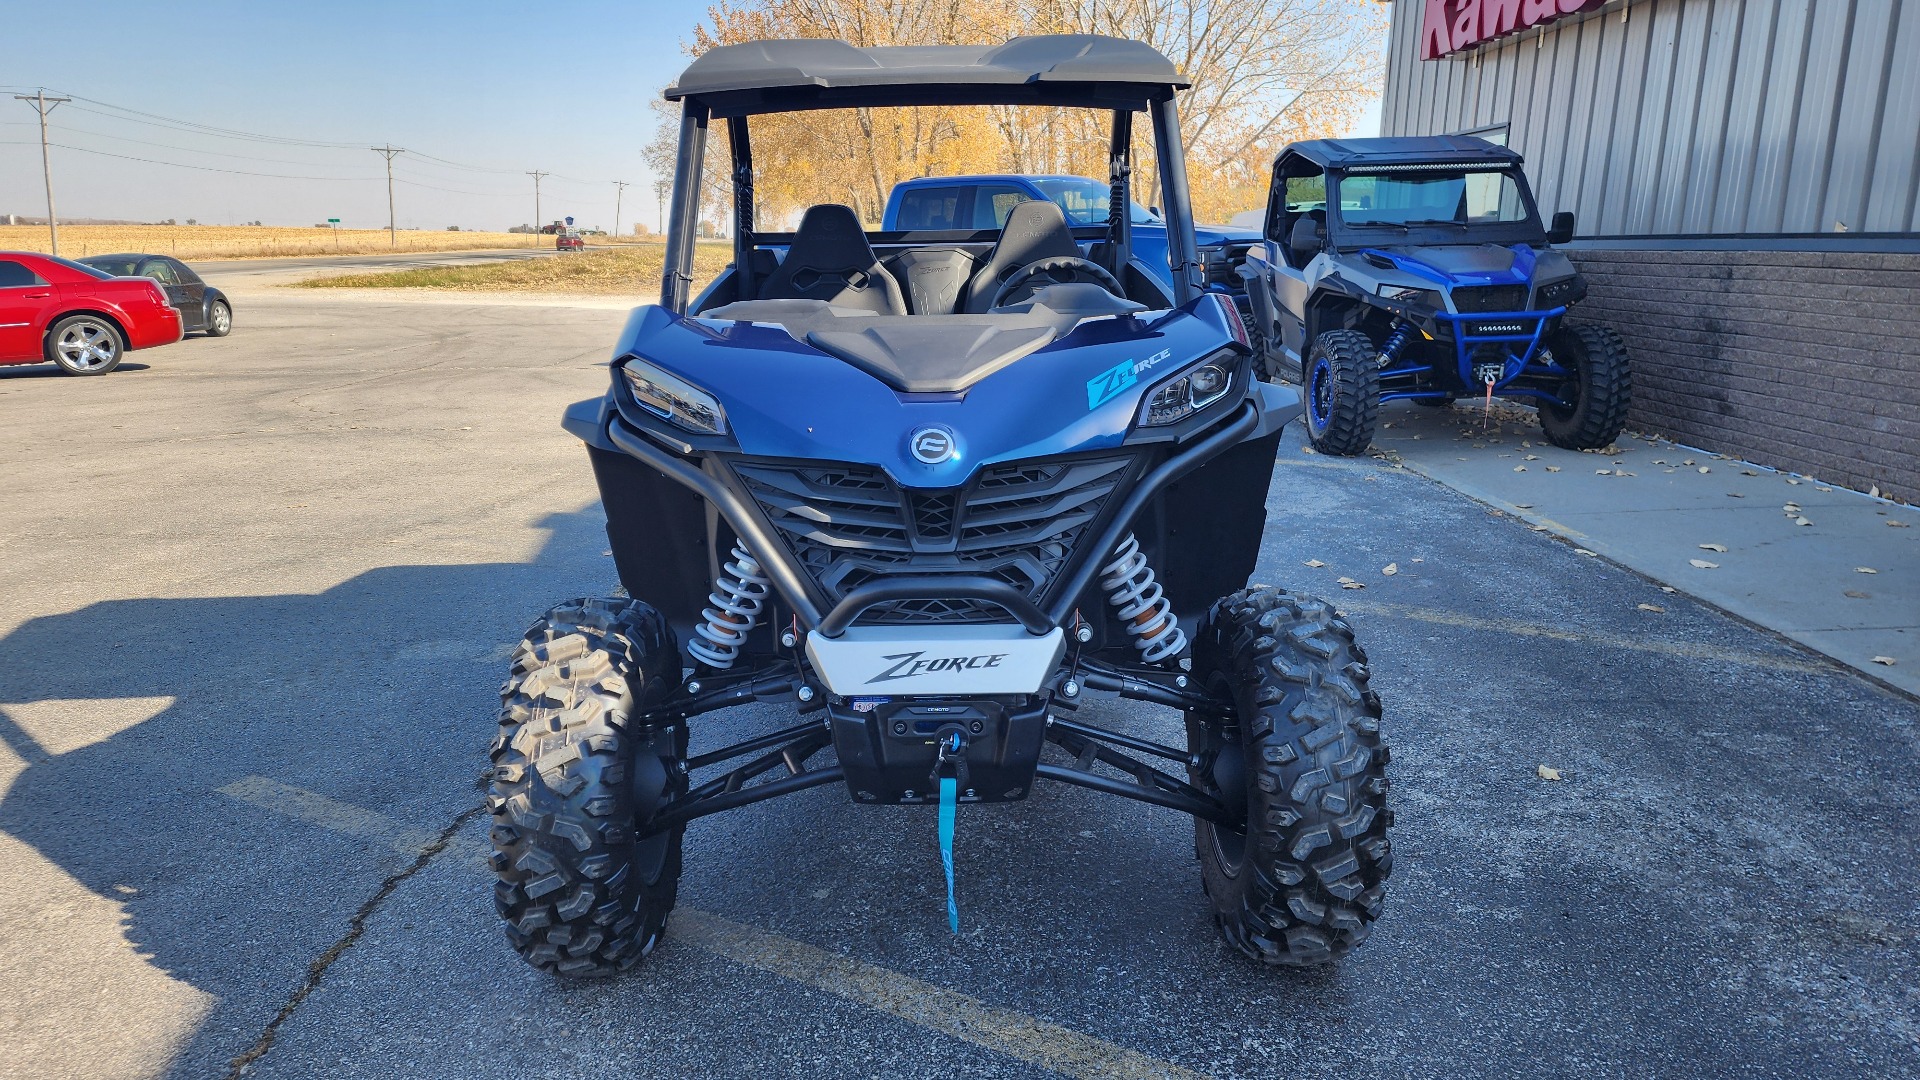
[1453,25]
[907,665]
[1108,385]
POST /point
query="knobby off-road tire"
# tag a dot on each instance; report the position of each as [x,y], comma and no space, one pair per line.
[1302,881]
[583,887]
[1340,379]
[1259,339]
[1602,387]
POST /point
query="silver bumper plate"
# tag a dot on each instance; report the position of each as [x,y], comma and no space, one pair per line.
[960,661]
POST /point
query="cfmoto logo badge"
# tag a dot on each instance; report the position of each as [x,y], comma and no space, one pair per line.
[932,445]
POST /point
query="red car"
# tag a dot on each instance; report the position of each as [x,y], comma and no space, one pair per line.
[570,240]
[86,321]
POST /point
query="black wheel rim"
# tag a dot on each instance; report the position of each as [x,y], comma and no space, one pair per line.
[1320,394]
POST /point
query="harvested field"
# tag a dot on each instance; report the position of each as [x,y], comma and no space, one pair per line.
[633,269]
[265,241]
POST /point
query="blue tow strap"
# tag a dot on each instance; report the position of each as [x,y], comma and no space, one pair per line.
[949,798]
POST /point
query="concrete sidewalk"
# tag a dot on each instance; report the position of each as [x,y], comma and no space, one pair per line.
[1830,568]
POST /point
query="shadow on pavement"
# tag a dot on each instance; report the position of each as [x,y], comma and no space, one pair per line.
[377,692]
[50,371]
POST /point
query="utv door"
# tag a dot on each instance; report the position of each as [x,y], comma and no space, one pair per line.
[1299,188]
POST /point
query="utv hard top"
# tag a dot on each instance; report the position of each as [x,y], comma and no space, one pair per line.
[934,492]
[1419,269]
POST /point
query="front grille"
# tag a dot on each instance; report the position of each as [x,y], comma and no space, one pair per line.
[1475,299]
[850,524]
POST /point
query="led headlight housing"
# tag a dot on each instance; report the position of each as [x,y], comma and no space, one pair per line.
[1561,293]
[1192,390]
[674,399]
[1402,294]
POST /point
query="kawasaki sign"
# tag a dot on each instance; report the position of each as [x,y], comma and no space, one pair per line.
[1453,25]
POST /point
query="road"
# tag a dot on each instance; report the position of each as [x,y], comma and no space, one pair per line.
[255,596]
[246,274]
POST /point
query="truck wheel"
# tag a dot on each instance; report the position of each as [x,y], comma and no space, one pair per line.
[1300,878]
[1341,382]
[583,886]
[1600,390]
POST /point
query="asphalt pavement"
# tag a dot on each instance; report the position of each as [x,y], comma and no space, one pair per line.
[255,599]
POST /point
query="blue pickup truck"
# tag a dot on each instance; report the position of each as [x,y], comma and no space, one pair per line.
[959,203]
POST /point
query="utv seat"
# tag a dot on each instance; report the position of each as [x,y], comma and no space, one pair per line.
[1035,230]
[831,260]
[935,278]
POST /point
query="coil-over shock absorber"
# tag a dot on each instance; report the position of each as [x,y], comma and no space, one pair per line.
[738,595]
[1139,602]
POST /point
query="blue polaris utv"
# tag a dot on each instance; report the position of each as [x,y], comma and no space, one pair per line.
[939,492]
[1418,269]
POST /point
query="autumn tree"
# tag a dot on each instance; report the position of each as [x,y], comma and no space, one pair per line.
[1263,73]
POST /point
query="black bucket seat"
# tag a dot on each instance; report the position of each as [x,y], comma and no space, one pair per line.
[831,260]
[1035,230]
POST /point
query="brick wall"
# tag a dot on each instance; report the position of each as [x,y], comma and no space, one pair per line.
[1803,361]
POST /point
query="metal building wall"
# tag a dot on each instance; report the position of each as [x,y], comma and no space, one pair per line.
[1662,117]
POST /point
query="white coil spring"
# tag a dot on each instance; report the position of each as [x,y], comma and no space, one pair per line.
[737,597]
[1137,599]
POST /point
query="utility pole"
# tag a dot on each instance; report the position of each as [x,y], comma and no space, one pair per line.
[388,151]
[44,105]
[536,174]
[619,189]
[660,189]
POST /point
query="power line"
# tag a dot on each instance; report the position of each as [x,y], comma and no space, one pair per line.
[182,165]
[185,149]
[458,191]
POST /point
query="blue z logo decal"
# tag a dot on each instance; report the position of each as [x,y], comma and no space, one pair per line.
[1107,385]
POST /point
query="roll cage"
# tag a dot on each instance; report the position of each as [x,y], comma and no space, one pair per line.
[736,82]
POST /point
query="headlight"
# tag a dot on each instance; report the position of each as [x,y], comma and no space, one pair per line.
[1195,389]
[1564,291]
[1405,295]
[675,400]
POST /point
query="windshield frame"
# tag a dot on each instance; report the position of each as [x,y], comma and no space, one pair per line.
[1152,101]
[1361,234]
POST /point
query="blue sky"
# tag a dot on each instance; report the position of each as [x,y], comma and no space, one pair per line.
[564,86]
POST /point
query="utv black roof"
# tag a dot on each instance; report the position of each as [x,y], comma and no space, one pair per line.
[820,64]
[1412,150]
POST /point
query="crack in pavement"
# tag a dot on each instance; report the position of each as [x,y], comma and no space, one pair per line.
[356,926]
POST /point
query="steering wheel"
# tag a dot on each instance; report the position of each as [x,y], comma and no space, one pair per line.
[1060,270]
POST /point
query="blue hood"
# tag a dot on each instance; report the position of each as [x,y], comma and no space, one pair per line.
[1224,234]
[1464,264]
[786,399]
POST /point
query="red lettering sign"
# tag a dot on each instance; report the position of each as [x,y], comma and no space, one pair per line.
[1448,26]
